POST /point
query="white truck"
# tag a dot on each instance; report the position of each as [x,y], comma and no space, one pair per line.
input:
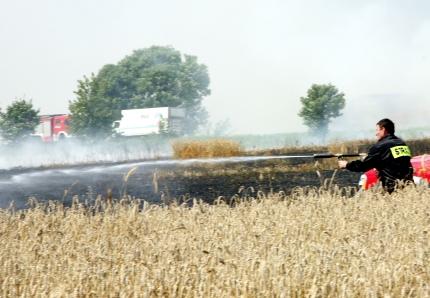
[140,122]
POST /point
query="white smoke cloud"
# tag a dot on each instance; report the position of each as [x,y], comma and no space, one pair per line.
[73,151]
[262,56]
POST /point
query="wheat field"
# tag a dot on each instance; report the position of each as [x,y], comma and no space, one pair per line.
[206,148]
[314,243]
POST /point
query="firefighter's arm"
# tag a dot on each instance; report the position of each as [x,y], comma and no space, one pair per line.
[369,162]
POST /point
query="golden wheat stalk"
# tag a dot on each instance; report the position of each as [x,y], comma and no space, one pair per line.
[314,243]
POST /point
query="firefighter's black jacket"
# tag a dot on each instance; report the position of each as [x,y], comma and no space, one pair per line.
[391,157]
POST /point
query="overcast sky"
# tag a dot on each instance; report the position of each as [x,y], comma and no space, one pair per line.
[262,56]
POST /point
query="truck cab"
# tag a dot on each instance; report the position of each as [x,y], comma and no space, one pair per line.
[53,128]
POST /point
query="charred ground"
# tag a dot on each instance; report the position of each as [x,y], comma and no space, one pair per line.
[162,182]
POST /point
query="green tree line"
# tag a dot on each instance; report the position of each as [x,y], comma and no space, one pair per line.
[148,78]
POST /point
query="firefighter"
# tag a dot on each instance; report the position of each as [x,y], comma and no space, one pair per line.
[390,156]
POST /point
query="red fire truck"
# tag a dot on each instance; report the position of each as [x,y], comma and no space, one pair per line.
[420,163]
[53,128]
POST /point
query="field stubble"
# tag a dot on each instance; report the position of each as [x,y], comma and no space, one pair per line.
[313,244]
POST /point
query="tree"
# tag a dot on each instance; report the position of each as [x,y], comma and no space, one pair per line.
[91,113]
[19,120]
[322,103]
[149,78]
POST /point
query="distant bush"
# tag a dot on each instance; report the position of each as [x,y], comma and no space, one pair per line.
[294,150]
[208,148]
[359,146]
[418,146]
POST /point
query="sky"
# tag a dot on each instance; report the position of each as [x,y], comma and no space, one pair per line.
[262,56]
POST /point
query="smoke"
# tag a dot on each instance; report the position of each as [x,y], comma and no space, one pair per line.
[72,151]
[261,58]
[409,112]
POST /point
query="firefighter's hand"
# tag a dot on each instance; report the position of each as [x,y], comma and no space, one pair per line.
[342,164]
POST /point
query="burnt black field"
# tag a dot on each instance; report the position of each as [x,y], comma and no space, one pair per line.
[163,181]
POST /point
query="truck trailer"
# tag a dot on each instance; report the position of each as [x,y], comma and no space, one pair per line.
[148,121]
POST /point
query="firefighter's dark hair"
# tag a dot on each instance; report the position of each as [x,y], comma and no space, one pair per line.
[387,124]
